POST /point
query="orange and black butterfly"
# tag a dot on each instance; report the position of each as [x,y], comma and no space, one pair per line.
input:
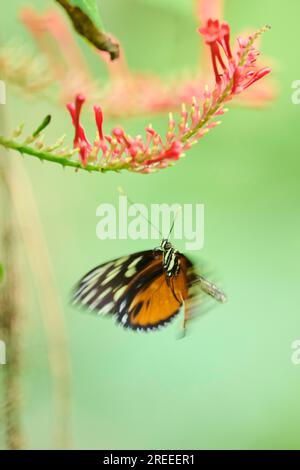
[145,290]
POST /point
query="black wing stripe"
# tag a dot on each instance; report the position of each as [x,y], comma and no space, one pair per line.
[89,281]
[102,287]
[122,307]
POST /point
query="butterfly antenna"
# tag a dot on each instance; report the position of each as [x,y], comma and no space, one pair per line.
[121,191]
[173,223]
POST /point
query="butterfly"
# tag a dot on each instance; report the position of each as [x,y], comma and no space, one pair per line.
[145,290]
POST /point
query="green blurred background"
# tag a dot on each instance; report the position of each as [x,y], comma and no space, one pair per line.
[231,383]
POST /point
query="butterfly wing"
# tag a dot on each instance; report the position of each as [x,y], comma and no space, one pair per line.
[100,289]
[151,300]
[137,291]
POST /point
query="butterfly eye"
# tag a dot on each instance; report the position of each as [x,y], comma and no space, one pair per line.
[165,244]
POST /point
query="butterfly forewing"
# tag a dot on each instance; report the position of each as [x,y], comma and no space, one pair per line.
[100,289]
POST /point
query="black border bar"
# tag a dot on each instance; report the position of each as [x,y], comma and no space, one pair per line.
[138,458]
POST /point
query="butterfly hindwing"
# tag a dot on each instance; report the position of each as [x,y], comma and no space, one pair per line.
[151,300]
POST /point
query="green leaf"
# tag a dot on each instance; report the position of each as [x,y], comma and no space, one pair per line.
[91,9]
[86,20]
[42,126]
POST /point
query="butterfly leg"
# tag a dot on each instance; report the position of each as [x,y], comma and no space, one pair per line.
[185,313]
[183,331]
[211,289]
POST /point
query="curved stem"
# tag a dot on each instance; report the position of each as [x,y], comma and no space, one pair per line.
[208,116]
[62,160]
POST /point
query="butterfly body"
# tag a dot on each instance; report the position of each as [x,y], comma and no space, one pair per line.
[171,260]
[144,290]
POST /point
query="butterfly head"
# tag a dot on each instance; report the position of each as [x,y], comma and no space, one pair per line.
[165,244]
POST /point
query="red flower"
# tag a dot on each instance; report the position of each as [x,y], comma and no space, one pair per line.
[237,76]
[217,36]
[99,120]
[211,31]
[118,150]
[80,140]
[172,153]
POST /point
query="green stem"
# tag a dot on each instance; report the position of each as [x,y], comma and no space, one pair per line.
[208,116]
[60,159]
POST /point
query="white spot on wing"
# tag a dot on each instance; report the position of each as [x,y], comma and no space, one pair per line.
[121,261]
[89,281]
[135,262]
[85,288]
[107,308]
[104,293]
[130,272]
[119,292]
[89,296]
[97,301]
[111,275]
[96,273]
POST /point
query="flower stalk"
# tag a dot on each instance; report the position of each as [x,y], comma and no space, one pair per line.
[63,159]
[234,73]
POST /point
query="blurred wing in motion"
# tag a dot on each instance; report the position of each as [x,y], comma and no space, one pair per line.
[100,289]
[136,290]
